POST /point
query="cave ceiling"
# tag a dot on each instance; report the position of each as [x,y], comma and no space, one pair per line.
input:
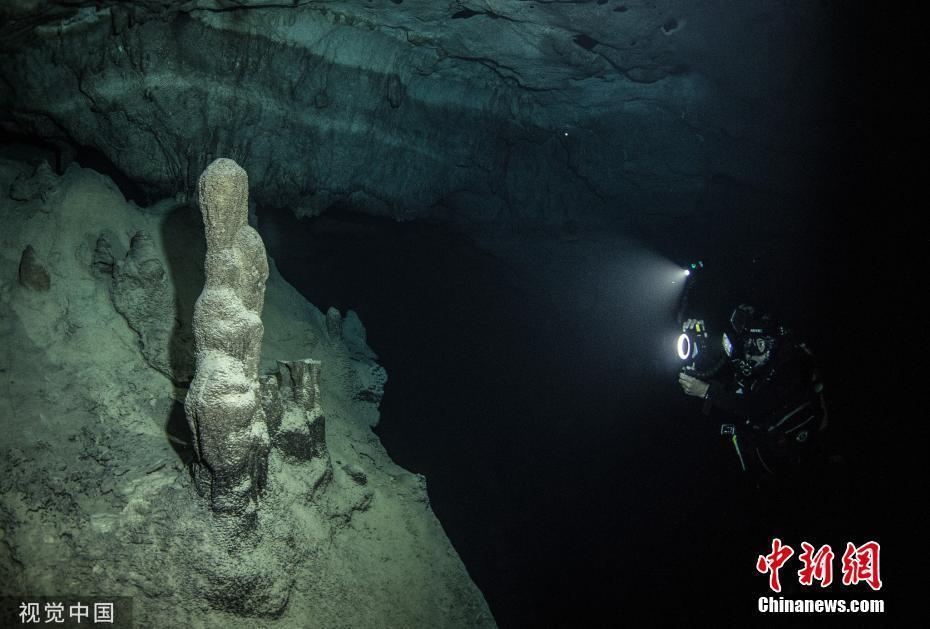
[536,112]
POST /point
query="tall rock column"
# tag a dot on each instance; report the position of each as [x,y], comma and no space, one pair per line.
[223,404]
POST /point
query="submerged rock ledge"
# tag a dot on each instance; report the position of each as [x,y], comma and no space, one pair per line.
[96,497]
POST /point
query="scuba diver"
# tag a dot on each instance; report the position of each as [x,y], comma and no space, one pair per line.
[766,383]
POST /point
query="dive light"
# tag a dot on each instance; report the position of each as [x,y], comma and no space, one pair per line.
[692,342]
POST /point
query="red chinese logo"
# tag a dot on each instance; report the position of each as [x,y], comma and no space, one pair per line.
[817,565]
[860,564]
[772,562]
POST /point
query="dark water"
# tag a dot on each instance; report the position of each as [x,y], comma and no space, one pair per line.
[578,484]
[574,479]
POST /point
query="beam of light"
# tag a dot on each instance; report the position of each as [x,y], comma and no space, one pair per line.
[625,302]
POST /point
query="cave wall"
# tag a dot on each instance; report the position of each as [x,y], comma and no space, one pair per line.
[508,113]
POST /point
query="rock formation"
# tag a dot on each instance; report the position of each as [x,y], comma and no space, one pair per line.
[142,294]
[32,273]
[355,335]
[301,434]
[299,431]
[223,405]
[334,323]
[41,185]
[104,261]
[94,486]
[515,112]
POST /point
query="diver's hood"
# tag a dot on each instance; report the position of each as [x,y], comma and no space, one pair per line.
[756,340]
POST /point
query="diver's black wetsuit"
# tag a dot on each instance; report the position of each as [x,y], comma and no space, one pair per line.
[777,412]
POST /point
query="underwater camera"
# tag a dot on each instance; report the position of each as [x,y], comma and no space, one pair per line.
[701,352]
[693,344]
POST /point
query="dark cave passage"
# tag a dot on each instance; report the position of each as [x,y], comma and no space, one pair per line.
[532,377]
[562,460]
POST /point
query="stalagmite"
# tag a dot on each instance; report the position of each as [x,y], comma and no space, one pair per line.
[223,406]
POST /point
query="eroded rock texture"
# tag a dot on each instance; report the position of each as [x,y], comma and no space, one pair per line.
[300,428]
[32,273]
[488,112]
[142,293]
[40,185]
[223,405]
[93,490]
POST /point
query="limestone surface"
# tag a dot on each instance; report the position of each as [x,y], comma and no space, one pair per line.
[32,273]
[95,492]
[482,113]
[40,185]
[223,404]
[140,292]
